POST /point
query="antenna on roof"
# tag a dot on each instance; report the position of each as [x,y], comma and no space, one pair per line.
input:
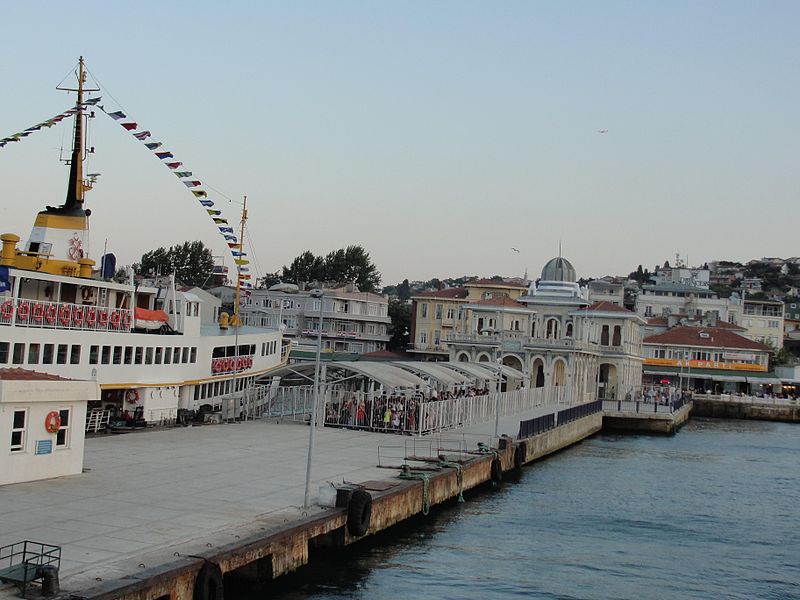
[559,248]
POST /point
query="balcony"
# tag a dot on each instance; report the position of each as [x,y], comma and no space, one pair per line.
[517,340]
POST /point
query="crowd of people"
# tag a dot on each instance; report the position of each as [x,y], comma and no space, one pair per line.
[387,412]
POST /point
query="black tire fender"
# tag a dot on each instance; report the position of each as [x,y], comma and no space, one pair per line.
[520,452]
[497,472]
[359,513]
[209,585]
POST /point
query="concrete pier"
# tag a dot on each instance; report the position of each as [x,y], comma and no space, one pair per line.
[733,408]
[623,417]
[156,506]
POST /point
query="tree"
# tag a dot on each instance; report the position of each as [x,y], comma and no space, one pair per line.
[191,262]
[400,328]
[346,264]
[305,267]
[268,280]
[404,290]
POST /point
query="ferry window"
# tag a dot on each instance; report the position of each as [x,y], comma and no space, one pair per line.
[159,351]
[194,356]
[263,348]
[176,355]
[106,356]
[75,355]
[148,356]
[18,430]
[117,355]
[167,356]
[93,352]
[197,392]
[33,354]
[19,354]
[61,357]
[186,355]
[128,355]
[138,356]
[4,352]
[62,437]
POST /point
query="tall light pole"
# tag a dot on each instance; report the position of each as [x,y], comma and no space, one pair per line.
[316,293]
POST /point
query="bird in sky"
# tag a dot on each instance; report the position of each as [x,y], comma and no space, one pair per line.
[515,250]
[602,131]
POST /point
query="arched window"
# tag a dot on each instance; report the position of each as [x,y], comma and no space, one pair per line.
[604,336]
[533,327]
[569,330]
[552,329]
[617,340]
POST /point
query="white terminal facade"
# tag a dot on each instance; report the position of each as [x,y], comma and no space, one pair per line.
[551,333]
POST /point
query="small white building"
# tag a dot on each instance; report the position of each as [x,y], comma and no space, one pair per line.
[42,425]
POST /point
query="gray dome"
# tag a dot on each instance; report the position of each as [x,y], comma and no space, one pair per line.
[558,269]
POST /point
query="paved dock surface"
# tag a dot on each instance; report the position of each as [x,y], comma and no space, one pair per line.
[147,495]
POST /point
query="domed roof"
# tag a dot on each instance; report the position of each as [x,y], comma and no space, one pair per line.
[558,269]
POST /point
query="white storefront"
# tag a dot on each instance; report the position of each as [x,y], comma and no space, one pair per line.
[42,423]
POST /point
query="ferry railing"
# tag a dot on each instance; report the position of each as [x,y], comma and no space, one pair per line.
[44,314]
[97,419]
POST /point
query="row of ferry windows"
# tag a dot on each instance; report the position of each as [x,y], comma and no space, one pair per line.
[62,354]
[213,389]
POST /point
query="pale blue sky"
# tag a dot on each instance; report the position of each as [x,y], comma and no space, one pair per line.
[436,134]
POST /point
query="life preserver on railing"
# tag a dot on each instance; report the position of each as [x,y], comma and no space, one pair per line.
[102,317]
[132,396]
[22,311]
[77,315]
[7,309]
[116,319]
[37,312]
[91,316]
[52,422]
[126,320]
[51,313]
[64,315]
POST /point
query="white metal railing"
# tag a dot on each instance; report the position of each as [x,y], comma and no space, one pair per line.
[636,407]
[97,419]
[751,399]
[408,414]
[64,315]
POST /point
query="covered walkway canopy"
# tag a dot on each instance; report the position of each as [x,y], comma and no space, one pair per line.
[384,373]
[438,371]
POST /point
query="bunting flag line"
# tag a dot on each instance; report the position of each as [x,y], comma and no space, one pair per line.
[200,195]
[38,127]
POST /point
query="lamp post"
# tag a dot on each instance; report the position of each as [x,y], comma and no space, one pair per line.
[316,293]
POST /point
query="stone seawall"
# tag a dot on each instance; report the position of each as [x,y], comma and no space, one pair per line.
[726,409]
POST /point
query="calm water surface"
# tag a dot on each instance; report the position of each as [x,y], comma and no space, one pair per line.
[709,513]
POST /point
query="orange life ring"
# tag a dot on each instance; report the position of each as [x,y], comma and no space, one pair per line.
[91,316]
[126,320]
[50,313]
[116,319]
[37,313]
[22,311]
[132,396]
[52,422]
[7,309]
[77,315]
[64,315]
[102,317]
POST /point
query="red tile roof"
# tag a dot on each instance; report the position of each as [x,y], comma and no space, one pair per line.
[26,375]
[606,306]
[458,292]
[502,301]
[715,337]
[656,321]
[497,283]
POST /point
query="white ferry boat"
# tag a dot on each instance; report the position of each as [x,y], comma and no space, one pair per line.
[145,346]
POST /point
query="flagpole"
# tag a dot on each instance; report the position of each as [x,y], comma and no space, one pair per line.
[237,320]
